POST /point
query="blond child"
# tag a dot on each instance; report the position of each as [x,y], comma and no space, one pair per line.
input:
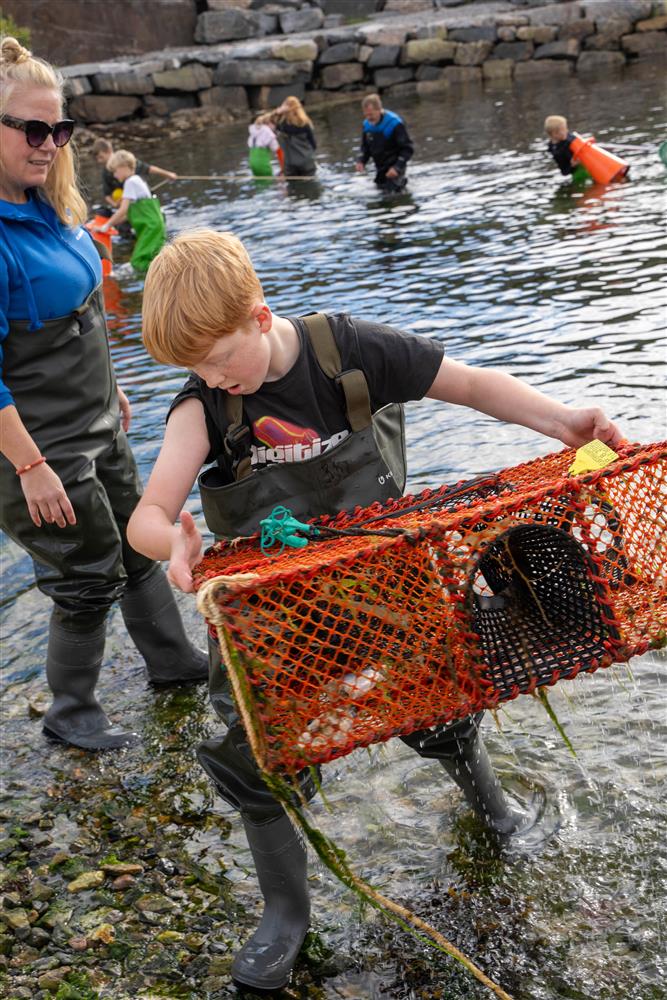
[259,375]
[102,151]
[560,138]
[140,208]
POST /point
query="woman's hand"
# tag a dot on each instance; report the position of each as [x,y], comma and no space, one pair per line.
[125,409]
[186,552]
[46,497]
[582,425]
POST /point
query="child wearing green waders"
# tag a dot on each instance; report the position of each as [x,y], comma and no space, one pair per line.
[141,209]
[262,143]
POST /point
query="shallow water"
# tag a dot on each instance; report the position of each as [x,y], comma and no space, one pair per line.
[492,253]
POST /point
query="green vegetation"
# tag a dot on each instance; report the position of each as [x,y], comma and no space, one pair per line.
[8,26]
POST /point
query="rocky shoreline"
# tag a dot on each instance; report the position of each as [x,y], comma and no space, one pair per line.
[397,54]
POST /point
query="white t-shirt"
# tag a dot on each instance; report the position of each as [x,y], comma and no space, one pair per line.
[135,187]
[262,135]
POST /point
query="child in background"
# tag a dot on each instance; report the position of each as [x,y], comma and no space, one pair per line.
[262,142]
[560,138]
[102,151]
[204,310]
[140,208]
[297,138]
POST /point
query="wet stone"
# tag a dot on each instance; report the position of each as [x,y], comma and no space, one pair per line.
[89,880]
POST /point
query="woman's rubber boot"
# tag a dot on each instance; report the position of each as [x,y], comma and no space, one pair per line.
[73,663]
[154,623]
[470,768]
[265,962]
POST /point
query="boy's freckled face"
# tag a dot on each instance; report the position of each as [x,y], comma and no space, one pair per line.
[238,362]
[559,134]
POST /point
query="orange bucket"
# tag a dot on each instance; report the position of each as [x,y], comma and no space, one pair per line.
[602,165]
[104,239]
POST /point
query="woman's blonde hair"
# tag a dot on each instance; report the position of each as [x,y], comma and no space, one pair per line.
[122,158]
[20,70]
[294,113]
[200,287]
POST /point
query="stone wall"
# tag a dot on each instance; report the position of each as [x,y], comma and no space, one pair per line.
[418,52]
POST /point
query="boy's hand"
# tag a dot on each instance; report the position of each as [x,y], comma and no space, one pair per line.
[585,424]
[186,552]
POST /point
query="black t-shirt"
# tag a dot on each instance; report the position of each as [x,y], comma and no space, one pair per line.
[562,153]
[302,414]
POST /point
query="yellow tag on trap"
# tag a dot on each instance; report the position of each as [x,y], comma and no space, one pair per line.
[594,455]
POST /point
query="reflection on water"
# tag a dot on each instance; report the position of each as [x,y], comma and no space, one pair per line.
[492,253]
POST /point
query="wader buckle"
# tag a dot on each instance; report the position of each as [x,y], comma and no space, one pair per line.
[237,445]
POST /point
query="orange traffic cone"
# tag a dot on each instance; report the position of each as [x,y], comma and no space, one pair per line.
[602,165]
[104,239]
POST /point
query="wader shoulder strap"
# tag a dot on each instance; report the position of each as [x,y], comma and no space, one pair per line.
[237,438]
[353,382]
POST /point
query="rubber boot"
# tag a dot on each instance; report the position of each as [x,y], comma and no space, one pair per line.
[265,962]
[73,663]
[154,623]
[469,766]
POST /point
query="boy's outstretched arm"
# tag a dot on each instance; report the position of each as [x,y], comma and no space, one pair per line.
[507,398]
[152,529]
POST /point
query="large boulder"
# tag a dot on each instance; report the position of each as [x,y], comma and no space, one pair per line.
[428,50]
[306,19]
[192,77]
[341,75]
[341,53]
[226,25]
[595,62]
[103,107]
[259,72]
[233,98]
[129,82]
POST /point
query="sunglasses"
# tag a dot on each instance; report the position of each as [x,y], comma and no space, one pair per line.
[36,132]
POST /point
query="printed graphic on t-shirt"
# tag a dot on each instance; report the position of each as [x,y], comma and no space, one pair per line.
[282,441]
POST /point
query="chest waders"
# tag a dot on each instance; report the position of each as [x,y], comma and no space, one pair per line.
[259,158]
[65,392]
[146,218]
[368,465]
[299,155]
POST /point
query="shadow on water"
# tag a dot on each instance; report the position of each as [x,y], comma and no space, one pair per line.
[489,252]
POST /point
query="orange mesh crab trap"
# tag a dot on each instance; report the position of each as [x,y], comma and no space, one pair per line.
[405,616]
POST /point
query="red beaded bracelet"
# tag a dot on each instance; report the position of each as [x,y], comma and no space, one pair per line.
[26,468]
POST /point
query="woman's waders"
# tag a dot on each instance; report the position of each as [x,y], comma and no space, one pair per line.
[368,465]
[65,392]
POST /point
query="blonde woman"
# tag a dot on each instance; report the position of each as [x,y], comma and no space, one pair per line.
[297,138]
[68,480]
